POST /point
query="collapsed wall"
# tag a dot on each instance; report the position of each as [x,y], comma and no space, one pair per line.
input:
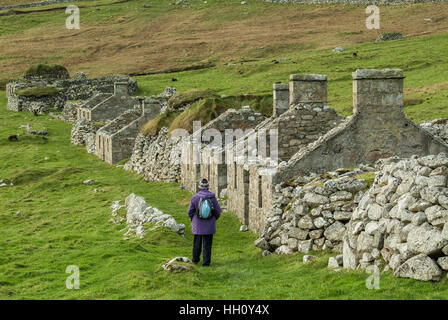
[402,220]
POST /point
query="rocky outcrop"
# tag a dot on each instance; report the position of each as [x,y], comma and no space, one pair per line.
[401,221]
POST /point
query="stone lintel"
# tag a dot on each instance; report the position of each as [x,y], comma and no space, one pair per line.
[377,74]
[281,86]
[308,77]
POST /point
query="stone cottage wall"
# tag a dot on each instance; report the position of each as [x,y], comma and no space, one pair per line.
[204,154]
[377,129]
[310,217]
[111,107]
[307,118]
[82,130]
[115,141]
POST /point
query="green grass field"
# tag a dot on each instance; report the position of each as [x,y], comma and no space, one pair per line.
[63,222]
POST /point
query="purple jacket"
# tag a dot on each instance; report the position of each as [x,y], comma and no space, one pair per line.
[200,226]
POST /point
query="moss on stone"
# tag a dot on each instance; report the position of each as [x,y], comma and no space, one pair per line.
[368,177]
[38,91]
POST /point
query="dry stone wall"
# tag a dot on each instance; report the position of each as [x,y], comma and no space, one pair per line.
[438,128]
[83,133]
[312,216]
[402,220]
[156,158]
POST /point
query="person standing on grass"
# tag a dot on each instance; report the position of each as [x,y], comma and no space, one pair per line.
[203,211]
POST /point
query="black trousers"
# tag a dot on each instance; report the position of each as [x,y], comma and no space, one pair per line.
[207,239]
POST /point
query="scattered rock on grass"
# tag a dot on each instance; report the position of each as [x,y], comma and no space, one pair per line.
[171,266]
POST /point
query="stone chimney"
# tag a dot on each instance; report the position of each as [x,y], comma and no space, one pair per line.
[281,98]
[378,93]
[121,88]
[307,88]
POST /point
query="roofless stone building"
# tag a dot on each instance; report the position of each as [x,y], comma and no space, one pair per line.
[311,137]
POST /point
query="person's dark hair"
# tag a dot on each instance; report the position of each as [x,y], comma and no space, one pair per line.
[203,184]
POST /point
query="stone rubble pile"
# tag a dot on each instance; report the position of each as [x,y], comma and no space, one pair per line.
[401,221]
[438,127]
[139,215]
[312,213]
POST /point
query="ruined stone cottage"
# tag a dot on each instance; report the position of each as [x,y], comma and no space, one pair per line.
[115,141]
[104,107]
[311,137]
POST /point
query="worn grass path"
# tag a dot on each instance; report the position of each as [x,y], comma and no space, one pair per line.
[63,222]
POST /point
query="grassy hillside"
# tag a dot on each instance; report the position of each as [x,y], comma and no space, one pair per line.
[64,222]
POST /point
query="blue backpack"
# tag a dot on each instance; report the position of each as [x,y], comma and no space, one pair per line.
[205,208]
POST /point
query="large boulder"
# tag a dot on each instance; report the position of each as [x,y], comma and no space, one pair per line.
[426,239]
[420,267]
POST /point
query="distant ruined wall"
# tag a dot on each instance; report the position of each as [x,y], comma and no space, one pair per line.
[360,2]
[70,89]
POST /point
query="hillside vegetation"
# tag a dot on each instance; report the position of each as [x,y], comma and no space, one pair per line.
[242,49]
